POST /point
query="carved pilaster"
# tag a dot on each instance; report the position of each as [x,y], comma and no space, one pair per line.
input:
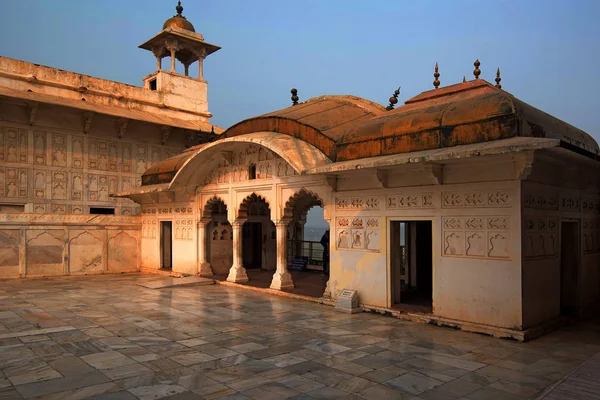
[33,109]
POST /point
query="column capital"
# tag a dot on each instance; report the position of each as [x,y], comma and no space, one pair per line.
[283,222]
[203,222]
[237,222]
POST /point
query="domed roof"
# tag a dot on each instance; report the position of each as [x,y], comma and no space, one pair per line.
[179,20]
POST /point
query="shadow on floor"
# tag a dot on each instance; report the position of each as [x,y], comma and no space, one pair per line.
[307,283]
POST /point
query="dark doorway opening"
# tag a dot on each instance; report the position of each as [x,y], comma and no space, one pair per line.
[252,245]
[411,257]
[569,268]
[166,245]
[102,210]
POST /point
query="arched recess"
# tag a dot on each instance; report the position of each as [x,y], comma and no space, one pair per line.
[300,155]
[259,244]
[306,234]
[219,235]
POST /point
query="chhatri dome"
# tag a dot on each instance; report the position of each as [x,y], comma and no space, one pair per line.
[179,20]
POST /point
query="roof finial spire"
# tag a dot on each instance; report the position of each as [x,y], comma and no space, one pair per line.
[498,79]
[393,100]
[179,8]
[295,97]
[464,79]
[477,71]
[436,75]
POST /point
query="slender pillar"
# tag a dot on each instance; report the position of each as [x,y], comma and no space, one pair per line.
[237,273]
[158,63]
[200,69]
[203,265]
[186,68]
[282,279]
[172,59]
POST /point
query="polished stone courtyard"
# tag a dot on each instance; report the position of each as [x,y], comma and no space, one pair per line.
[107,337]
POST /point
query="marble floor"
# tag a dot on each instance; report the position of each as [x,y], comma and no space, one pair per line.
[107,337]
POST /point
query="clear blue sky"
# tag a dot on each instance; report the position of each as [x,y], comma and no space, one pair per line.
[548,50]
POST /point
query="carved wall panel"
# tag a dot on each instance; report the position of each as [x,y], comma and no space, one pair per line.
[141,158]
[39,147]
[59,185]
[58,208]
[102,155]
[97,187]
[591,235]
[9,248]
[86,250]
[399,202]
[77,151]
[40,183]
[358,233]
[126,159]
[45,252]
[13,182]
[59,150]
[590,206]
[154,155]
[13,145]
[184,229]
[570,203]
[540,238]
[149,228]
[480,237]
[123,252]
[495,198]
[357,203]
[540,198]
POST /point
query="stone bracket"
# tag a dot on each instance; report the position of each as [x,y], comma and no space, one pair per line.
[32,107]
[436,171]
[165,132]
[87,121]
[332,182]
[381,176]
[122,127]
[524,166]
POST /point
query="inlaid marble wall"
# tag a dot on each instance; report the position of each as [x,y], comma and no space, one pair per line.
[60,172]
[49,245]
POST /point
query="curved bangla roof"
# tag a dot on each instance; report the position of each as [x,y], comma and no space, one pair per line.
[347,128]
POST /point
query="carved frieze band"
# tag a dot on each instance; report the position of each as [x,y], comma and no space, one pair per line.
[357,203]
[409,201]
[494,198]
[358,233]
[477,237]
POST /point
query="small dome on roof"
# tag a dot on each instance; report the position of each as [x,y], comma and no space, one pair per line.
[179,20]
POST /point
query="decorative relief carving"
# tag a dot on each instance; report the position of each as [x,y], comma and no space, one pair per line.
[396,202]
[39,148]
[570,203]
[59,185]
[476,199]
[357,203]
[126,159]
[540,237]
[591,206]
[220,230]
[591,235]
[13,145]
[13,182]
[360,233]
[141,158]
[77,151]
[59,150]
[476,236]
[543,199]
[149,227]
[97,187]
[184,229]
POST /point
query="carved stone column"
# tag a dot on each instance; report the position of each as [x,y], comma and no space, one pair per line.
[282,279]
[201,53]
[203,265]
[172,47]
[237,273]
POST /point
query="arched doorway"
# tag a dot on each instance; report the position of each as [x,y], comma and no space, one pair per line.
[307,258]
[258,234]
[219,237]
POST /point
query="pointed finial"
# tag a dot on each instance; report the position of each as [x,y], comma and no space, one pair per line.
[436,75]
[464,79]
[477,71]
[393,99]
[179,8]
[498,79]
[212,129]
[295,97]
